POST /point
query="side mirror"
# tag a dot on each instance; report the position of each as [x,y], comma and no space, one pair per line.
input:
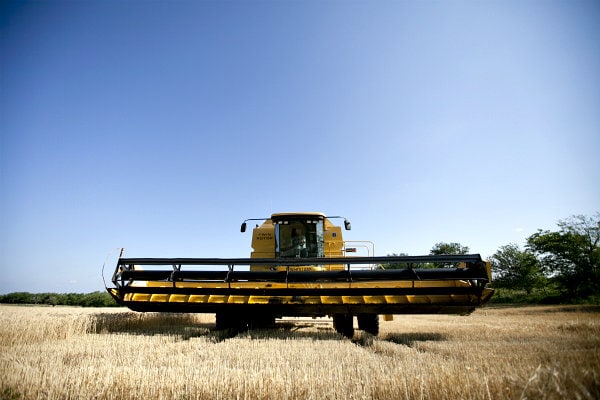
[347,225]
[243,228]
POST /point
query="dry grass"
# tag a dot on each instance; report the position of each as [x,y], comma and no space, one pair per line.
[496,353]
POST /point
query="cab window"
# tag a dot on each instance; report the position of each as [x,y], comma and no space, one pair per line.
[299,239]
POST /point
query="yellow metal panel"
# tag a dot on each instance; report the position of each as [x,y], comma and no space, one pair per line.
[214,298]
[233,299]
[333,285]
[196,284]
[401,284]
[311,300]
[374,299]
[156,284]
[353,299]
[160,298]
[331,300]
[397,299]
[257,285]
[259,299]
[307,286]
[269,299]
[198,299]
[263,243]
[418,299]
[178,298]
[487,293]
[488,268]
[439,298]
[383,284]
[137,297]
[333,240]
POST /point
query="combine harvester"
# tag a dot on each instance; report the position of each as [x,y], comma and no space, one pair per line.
[300,267]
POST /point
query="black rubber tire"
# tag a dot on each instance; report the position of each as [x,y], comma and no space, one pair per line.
[261,321]
[368,323]
[344,324]
[228,321]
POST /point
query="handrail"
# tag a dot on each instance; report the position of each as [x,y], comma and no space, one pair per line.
[367,244]
[440,259]
[308,276]
[127,272]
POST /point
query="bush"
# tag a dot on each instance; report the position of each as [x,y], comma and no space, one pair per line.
[548,295]
[94,299]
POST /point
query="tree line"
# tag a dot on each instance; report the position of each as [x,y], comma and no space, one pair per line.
[563,265]
[94,299]
[566,260]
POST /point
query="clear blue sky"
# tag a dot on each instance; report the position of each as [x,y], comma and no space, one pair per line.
[159,126]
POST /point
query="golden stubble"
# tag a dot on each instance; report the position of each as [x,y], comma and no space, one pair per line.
[543,352]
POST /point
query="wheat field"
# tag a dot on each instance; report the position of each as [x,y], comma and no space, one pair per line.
[543,352]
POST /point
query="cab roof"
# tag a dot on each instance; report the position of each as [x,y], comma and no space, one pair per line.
[319,215]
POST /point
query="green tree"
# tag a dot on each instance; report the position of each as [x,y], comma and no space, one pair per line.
[517,269]
[571,255]
[94,299]
[449,248]
[442,248]
[395,265]
[17,298]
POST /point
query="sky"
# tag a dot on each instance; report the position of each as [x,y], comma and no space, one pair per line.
[159,126]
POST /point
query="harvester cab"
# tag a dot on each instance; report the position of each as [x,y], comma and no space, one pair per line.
[297,236]
[299,266]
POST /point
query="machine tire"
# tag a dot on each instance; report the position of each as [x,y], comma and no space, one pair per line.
[261,321]
[344,324]
[228,321]
[369,323]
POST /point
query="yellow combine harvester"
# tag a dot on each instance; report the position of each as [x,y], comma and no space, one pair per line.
[300,267]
